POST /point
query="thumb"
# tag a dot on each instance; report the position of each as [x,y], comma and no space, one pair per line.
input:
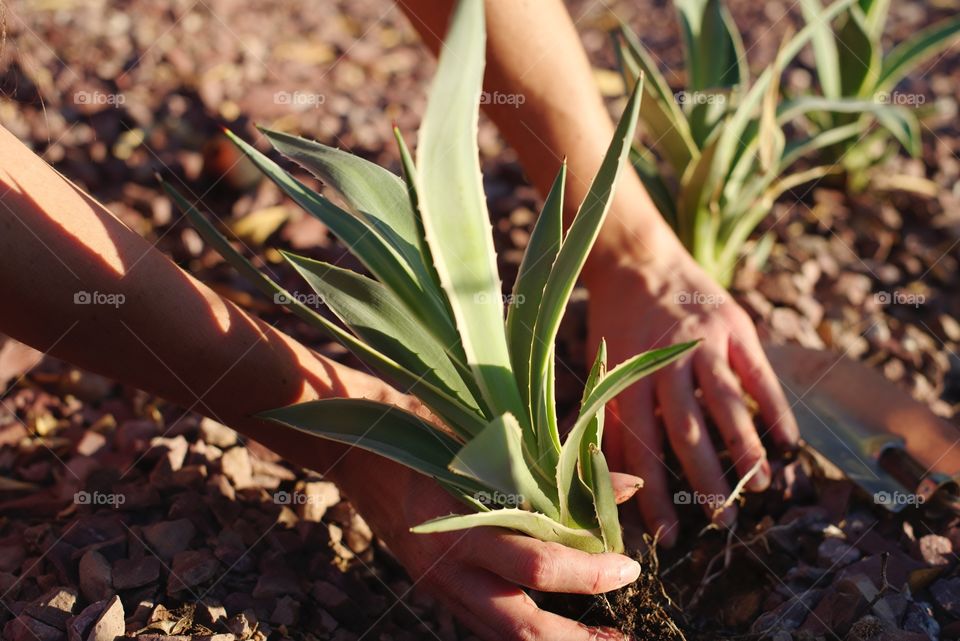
[625,485]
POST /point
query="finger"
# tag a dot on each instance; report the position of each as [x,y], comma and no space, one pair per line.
[545,566]
[690,441]
[641,440]
[500,611]
[625,486]
[724,400]
[760,381]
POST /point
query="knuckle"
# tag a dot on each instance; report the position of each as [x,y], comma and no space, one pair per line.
[520,629]
[540,568]
[687,432]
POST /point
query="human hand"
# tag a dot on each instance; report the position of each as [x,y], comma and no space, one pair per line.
[479,573]
[637,307]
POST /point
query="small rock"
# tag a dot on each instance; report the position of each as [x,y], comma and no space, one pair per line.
[210,614]
[946,594]
[919,618]
[135,573]
[276,584]
[26,628]
[96,582]
[78,628]
[834,553]
[286,612]
[236,466]
[240,625]
[54,608]
[317,498]
[167,538]
[192,568]
[110,624]
[173,451]
[217,434]
[91,443]
[935,549]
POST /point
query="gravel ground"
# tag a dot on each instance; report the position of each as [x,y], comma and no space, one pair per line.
[111,92]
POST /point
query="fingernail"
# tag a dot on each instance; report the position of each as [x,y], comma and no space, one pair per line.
[629,572]
[761,480]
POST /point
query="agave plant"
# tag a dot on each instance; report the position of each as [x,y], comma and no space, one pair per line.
[433,320]
[850,63]
[723,137]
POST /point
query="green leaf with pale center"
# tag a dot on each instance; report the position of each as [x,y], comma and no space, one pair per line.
[533,524]
[454,211]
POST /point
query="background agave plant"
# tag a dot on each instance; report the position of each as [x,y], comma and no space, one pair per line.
[723,137]
[850,63]
[432,320]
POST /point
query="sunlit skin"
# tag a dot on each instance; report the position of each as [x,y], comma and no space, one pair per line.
[175,337]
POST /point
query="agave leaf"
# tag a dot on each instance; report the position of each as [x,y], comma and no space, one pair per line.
[533,524]
[911,53]
[824,49]
[363,239]
[859,55]
[771,138]
[715,59]
[604,501]
[577,244]
[797,149]
[662,118]
[531,280]
[383,200]
[594,432]
[371,192]
[495,458]
[451,410]
[731,241]
[410,178]
[454,210]
[382,429]
[712,45]
[617,380]
[660,193]
[379,318]
[875,12]
[695,191]
[730,135]
[545,412]
[899,121]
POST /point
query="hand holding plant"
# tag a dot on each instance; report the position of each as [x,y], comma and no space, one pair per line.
[672,302]
[433,321]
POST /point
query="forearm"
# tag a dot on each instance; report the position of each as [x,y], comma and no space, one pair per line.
[552,110]
[152,325]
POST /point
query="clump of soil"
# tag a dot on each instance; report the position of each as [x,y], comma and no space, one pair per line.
[643,609]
